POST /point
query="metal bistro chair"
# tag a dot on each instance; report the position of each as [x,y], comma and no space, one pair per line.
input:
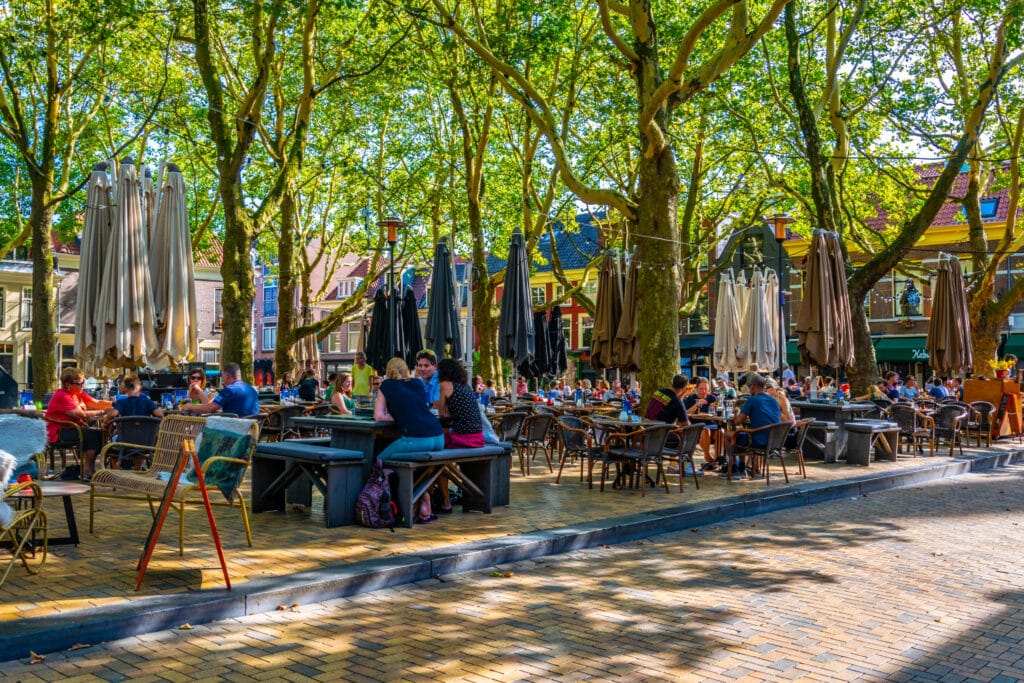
[774,448]
[279,426]
[948,420]
[980,424]
[132,430]
[798,446]
[511,429]
[64,446]
[536,434]
[681,451]
[648,450]
[606,436]
[576,441]
[915,427]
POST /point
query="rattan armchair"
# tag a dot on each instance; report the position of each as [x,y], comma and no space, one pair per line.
[915,428]
[27,531]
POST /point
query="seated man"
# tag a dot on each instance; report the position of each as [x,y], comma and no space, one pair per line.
[133,404]
[702,401]
[667,404]
[234,397]
[759,410]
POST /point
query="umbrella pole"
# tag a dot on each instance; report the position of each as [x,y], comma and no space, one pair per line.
[468,346]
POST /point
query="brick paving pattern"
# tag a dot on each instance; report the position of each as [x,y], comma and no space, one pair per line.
[913,584]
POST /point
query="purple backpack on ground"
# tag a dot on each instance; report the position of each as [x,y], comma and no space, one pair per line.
[374,507]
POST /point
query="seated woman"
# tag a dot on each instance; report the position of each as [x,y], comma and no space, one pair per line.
[286,383]
[341,396]
[70,403]
[458,406]
[197,386]
[400,400]
[309,386]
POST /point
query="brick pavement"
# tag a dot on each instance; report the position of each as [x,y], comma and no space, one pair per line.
[915,584]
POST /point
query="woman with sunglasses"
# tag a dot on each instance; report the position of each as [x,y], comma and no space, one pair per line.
[70,403]
[197,386]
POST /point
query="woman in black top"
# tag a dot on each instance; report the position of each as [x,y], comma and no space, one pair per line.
[458,405]
[400,400]
[309,386]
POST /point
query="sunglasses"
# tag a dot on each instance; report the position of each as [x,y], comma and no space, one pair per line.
[199,377]
[80,383]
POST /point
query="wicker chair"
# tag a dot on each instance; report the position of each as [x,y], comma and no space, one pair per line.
[798,446]
[605,437]
[576,441]
[536,434]
[64,446]
[511,430]
[948,425]
[915,427]
[279,425]
[149,486]
[680,450]
[774,448]
[980,423]
[644,448]
[142,430]
[27,532]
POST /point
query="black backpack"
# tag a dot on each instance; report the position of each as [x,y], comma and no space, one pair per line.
[374,507]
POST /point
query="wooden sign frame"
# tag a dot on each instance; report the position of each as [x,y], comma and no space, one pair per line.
[188,454]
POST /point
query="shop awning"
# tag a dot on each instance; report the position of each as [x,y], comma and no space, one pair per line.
[901,349]
[704,342]
[1014,345]
[792,353]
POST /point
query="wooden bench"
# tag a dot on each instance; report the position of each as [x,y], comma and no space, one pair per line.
[301,464]
[863,435]
[482,474]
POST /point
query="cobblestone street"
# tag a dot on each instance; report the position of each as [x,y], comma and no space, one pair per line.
[919,583]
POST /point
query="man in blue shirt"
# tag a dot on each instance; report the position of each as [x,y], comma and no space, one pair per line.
[426,370]
[234,397]
[759,410]
[938,390]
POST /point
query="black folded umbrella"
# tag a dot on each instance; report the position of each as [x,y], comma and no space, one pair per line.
[443,334]
[537,365]
[516,335]
[557,357]
[378,345]
[412,338]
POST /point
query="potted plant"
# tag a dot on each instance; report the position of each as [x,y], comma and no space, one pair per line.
[1002,368]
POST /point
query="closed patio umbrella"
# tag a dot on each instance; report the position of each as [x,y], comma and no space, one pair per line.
[443,334]
[412,338]
[96,232]
[558,360]
[727,325]
[173,278]
[398,331]
[127,294]
[824,326]
[538,365]
[625,349]
[950,351]
[757,347]
[378,344]
[843,349]
[516,333]
[607,314]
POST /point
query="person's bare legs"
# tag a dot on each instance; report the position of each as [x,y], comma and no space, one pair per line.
[442,484]
[88,464]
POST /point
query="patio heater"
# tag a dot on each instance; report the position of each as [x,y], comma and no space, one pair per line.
[392,224]
[779,222]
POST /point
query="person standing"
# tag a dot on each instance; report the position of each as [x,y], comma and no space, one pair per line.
[361,375]
[236,396]
[70,403]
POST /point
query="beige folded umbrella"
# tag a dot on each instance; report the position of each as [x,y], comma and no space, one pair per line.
[757,347]
[173,277]
[727,326]
[96,232]
[129,334]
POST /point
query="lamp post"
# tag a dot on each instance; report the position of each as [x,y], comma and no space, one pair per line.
[779,222]
[392,224]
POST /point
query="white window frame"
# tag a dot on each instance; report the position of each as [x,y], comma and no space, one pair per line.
[352,337]
[26,308]
[271,329]
[538,295]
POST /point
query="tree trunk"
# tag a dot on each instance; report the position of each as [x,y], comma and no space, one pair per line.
[486,324]
[284,355]
[44,370]
[237,273]
[864,370]
[658,276]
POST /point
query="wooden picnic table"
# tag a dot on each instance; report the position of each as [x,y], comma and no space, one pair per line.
[349,432]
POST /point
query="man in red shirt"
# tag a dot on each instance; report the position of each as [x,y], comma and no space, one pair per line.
[70,403]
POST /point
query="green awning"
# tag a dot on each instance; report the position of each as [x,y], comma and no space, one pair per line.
[1014,345]
[901,349]
[792,353]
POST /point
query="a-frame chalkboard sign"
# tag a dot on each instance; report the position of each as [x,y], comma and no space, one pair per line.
[188,455]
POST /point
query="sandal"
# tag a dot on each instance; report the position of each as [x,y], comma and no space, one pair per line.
[446,511]
[426,520]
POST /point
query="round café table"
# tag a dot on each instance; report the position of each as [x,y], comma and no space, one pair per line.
[65,490]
